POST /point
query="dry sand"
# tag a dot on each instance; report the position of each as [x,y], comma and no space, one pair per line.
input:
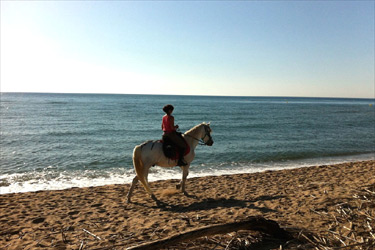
[96,217]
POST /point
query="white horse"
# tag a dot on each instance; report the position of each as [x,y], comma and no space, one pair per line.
[151,153]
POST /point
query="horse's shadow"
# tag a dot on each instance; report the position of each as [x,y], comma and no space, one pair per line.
[210,203]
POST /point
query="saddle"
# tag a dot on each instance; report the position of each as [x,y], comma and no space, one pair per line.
[171,150]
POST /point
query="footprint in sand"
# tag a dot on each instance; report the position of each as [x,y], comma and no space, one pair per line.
[97,205]
[38,220]
[73,212]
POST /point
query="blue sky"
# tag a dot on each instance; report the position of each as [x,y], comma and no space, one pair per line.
[251,48]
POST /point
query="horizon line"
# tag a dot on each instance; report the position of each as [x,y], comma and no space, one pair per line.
[198,95]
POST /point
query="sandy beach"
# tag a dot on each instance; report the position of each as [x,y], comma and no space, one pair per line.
[99,218]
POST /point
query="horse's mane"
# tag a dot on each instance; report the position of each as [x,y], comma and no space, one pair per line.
[195,127]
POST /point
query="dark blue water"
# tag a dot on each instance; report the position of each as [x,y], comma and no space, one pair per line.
[56,141]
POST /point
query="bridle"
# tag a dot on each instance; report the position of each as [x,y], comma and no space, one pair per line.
[201,140]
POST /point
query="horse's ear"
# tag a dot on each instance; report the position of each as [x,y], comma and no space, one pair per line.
[208,123]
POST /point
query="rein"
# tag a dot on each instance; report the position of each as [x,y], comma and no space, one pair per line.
[200,141]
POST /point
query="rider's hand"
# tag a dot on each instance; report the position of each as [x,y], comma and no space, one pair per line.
[176,126]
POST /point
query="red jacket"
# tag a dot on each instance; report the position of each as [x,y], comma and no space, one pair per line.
[168,124]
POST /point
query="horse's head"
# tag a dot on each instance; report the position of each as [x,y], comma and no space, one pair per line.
[207,138]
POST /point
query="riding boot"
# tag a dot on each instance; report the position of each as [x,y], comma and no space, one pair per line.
[181,161]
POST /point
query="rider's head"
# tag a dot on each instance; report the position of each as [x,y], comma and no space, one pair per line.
[168,108]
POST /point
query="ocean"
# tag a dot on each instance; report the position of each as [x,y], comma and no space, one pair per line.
[59,141]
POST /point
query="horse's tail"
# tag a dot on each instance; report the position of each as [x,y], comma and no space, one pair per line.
[139,168]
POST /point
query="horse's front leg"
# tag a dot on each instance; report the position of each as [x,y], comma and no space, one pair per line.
[185,173]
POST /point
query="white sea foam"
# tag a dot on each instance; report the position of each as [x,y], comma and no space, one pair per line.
[51,180]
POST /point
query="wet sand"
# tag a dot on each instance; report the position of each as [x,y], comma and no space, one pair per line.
[97,217]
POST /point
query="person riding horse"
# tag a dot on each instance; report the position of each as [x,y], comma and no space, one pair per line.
[170,133]
[150,153]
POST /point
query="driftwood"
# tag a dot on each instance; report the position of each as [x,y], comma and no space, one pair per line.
[252,223]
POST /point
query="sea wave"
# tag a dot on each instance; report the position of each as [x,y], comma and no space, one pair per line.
[52,179]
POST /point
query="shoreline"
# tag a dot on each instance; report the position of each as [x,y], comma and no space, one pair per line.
[125,176]
[57,219]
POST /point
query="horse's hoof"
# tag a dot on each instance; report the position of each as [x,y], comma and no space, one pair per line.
[178,186]
[189,195]
[154,198]
[160,204]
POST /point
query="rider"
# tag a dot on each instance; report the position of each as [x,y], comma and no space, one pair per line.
[170,132]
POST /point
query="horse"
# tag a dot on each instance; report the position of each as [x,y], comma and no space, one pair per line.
[151,153]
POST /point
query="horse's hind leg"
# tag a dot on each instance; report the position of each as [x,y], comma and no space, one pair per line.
[134,182]
[144,180]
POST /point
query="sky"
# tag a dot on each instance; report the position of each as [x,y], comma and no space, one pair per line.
[230,48]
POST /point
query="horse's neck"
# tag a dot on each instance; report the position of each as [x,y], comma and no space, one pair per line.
[193,136]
